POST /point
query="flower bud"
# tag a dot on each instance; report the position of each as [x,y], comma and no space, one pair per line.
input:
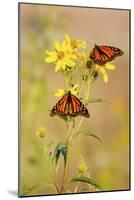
[41,132]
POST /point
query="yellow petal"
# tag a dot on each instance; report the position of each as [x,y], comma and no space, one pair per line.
[105,77]
[69,62]
[59,93]
[101,69]
[81,44]
[57,45]
[83,54]
[73,55]
[58,65]
[75,86]
[74,89]
[67,37]
[64,45]
[110,66]
[50,59]
[63,65]
[89,52]
[97,67]
[51,53]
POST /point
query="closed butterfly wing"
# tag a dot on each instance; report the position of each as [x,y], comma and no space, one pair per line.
[69,105]
[102,54]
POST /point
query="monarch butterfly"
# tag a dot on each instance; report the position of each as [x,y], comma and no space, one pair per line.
[70,105]
[102,54]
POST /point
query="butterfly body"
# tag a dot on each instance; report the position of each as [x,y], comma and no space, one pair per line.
[70,105]
[102,54]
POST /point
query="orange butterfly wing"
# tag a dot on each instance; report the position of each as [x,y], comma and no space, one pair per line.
[102,54]
[70,105]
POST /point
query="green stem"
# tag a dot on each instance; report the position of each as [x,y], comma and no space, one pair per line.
[53,177]
[72,125]
[77,75]
[83,82]
[76,188]
[86,97]
[79,125]
[88,88]
[67,76]
[67,87]
[68,128]
[63,179]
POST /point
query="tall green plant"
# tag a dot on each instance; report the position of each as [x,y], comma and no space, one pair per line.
[72,59]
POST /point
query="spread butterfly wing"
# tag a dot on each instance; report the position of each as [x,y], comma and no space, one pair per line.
[69,105]
[102,54]
[78,107]
[59,107]
[98,56]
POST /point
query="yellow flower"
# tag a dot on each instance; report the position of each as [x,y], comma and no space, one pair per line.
[102,70]
[41,132]
[62,92]
[83,168]
[74,89]
[61,56]
[75,43]
[59,93]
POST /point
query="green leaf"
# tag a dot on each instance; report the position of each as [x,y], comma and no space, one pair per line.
[36,188]
[85,179]
[88,133]
[94,100]
[56,154]
[61,148]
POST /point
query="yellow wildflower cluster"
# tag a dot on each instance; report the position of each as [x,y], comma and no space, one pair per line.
[65,54]
[72,53]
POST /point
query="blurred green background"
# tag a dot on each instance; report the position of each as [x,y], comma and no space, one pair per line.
[40,25]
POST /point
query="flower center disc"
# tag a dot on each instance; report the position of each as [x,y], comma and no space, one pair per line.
[61,55]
